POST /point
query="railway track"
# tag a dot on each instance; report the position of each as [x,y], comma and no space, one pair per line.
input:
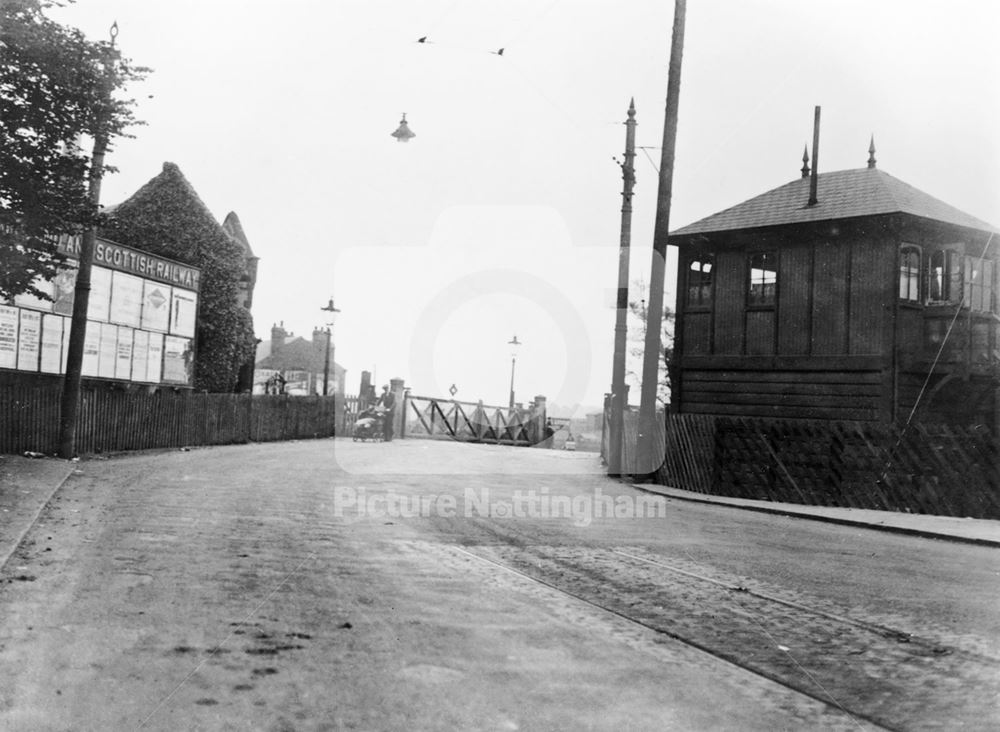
[881,674]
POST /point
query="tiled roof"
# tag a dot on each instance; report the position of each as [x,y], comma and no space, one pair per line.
[298,354]
[841,194]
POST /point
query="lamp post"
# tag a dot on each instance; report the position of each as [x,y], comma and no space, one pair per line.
[514,344]
[329,308]
[70,399]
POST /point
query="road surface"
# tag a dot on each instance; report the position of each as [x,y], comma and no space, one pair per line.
[422,585]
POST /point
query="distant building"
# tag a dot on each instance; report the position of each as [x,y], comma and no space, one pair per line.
[297,362]
[872,300]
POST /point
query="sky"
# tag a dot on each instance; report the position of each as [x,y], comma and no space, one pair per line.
[502,216]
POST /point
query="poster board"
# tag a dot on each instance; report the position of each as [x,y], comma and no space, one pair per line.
[99,303]
[126,299]
[108,358]
[29,340]
[8,336]
[176,360]
[183,309]
[155,306]
[91,349]
[135,298]
[140,356]
[123,360]
[154,362]
[52,343]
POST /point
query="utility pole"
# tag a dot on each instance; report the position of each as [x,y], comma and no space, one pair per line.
[652,352]
[618,399]
[70,403]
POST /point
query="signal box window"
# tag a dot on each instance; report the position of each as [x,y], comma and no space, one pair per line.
[909,274]
[979,284]
[944,276]
[699,283]
[763,288]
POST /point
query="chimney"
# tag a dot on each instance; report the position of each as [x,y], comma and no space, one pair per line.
[278,336]
[319,341]
[814,177]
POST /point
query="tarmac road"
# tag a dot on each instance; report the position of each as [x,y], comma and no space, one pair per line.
[433,586]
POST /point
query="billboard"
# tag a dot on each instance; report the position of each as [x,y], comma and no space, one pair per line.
[141,318]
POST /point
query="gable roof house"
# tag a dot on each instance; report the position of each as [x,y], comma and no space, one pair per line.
[844,295]
[301,362]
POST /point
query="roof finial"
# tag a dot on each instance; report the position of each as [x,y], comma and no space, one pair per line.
[871,153]
[805,160]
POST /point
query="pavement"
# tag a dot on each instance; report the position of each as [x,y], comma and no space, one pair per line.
[27,484]
[947,528]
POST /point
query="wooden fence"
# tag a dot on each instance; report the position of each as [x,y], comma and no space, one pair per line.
[932,469]
[116,420]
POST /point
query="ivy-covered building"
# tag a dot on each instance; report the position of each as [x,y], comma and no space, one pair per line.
[166,217]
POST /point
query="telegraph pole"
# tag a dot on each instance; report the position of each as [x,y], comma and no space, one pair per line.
[653,350]
[70,403]
[618,399]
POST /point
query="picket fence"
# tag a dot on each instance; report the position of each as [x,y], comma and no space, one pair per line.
[117,420]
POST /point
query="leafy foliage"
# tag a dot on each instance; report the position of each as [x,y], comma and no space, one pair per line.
[637,336]
[167,217]
[55,86]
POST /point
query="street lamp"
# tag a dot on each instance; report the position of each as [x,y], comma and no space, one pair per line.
[514,344]
[329,308]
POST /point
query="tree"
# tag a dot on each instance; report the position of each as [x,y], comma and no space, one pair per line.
[53,85]
[637,337]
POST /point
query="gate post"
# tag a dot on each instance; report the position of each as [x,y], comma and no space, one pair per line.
[398,416]
[538,420]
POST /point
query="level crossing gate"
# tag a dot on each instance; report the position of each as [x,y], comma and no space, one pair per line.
[433,418]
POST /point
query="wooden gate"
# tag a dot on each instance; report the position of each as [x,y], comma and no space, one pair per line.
[428,417]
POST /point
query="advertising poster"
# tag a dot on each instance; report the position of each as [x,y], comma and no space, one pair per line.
[155,306]
[109,351]
[64,290]
[176,360]
[99,304]
[8,337]
[154,362]
[91,348]
[140,355]
[52,340]
[126,299]
[123,364]
[28,340]
[183,309]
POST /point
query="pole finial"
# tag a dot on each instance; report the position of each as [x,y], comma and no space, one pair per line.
[805,160]
[871,153]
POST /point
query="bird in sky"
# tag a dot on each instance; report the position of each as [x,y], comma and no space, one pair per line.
[498,53]
[422,39]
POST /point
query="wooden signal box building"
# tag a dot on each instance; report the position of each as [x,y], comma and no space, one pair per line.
[848,295]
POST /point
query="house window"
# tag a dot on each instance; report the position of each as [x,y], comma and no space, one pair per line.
[909,273]
[763,288]
[979,279]
[699,283]
[944,276]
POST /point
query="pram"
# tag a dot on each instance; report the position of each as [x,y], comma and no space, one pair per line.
[369,425]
